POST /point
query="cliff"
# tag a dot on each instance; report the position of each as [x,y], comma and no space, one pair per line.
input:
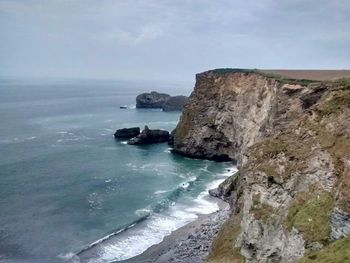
[291,138]
[230,110]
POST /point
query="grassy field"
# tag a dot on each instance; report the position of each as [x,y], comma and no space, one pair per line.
[319,75]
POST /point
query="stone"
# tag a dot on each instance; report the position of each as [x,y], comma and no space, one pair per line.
[127,133]
[151,100]
[148,136]
[223,191]
[171,138]
[340,224]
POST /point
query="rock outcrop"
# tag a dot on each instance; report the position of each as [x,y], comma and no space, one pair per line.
[290,200]
[127,133]
[148,136]
[231,110]
[223,191]
[151,100]
[175,103]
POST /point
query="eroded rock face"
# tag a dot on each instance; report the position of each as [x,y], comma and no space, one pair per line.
[292,144]
[340,223]
[148,136]
[227,113]
[223,191]
[151,100]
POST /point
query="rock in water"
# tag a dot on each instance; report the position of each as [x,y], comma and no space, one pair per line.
[175,103]
[148,136]
[151,100]
[127,133]
[171,138]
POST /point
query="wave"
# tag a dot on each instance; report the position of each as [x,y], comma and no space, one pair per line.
[67,136]
[205,204]
[137,237]
[18,140]
[159,192]
[109,236]
[154,222]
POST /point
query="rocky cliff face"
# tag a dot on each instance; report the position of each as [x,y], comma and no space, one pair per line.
[230,111]
[290,200]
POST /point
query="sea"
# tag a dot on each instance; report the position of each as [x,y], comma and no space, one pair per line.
[69,191]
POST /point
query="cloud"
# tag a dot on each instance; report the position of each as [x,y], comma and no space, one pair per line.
[170,39]
[145,33]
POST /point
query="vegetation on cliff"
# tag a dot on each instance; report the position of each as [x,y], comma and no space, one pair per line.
[310,159]
[310,213]
[294,143]
[337,252]
[223,248]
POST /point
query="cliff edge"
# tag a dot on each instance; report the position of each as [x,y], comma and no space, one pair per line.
[291,138]
[231,109]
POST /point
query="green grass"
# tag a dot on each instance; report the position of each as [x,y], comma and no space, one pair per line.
[295,148]
[223,249]
[336,252]
[337,103]
[310,214]
[280,78]
[284,80]
[232,70]
[344,82]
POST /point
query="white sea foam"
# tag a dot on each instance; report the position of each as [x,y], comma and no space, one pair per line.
[205,168]
[168,150]
[206,204]
[143,236]
[159,192]
[137,239]
[17,140]
[143,212]
[62,132]
[184,185]
[71,257]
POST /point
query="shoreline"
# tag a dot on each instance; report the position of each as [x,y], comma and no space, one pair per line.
[187,244]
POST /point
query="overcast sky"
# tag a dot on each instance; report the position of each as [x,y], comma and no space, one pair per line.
[169,39]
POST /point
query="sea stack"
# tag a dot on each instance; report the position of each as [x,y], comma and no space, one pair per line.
[148,136]
[151,100]
[127,133]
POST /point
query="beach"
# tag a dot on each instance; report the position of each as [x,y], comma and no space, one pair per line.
[188,244]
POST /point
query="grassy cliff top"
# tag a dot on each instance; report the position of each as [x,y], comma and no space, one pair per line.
[301,77]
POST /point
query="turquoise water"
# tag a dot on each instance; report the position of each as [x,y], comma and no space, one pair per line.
[66,184]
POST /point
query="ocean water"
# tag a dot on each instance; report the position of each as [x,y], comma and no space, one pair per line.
[69,189]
